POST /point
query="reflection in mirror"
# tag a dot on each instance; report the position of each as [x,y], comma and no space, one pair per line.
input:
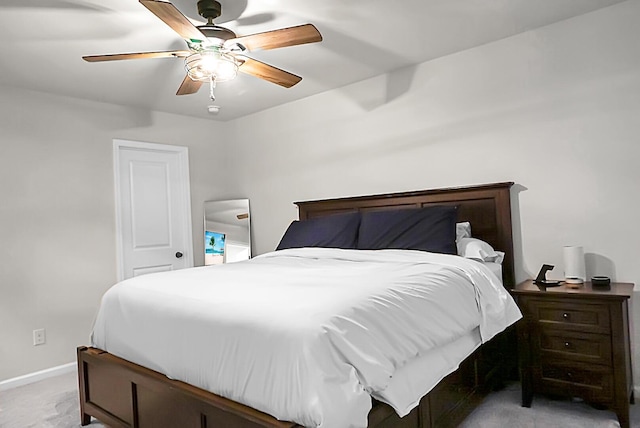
[227,233]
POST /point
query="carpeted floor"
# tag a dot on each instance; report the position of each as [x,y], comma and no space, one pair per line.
[50,403]
[53,403]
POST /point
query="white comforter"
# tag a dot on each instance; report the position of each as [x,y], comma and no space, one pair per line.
[305,335]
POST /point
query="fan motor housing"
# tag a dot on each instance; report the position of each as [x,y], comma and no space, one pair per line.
[209,9]
[216,32]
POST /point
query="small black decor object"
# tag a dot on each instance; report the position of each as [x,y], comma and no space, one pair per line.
[601,282]
[541,279]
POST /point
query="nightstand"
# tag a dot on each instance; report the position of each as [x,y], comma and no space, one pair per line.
[575,342]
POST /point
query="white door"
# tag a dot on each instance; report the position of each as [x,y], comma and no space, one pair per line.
[153,204]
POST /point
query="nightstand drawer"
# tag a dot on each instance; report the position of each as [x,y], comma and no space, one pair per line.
[593,383]
[587,317]
[576,346]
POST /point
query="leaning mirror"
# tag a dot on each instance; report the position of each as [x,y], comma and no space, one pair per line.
[227,233]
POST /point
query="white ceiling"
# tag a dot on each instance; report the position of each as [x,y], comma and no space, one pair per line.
[43,41]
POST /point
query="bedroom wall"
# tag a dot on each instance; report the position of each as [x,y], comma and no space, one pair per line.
[556,110]
[57,216]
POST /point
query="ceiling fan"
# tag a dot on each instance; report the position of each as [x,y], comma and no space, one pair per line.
[215,53]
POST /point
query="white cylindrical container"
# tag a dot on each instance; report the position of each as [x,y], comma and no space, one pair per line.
[574,268]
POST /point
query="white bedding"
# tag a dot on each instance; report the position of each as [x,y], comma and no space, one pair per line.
[496,268]
[305,335]
[415,379]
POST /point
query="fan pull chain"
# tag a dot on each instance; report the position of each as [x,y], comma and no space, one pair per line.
[212,86]
[212,108]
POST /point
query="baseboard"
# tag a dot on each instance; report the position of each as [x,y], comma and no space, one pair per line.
[36,376]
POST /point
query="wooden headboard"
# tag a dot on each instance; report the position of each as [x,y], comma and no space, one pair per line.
[487,207]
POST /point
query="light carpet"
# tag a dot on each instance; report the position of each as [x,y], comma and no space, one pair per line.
[53,403]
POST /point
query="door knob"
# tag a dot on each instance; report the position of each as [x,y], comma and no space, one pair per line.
[179,255]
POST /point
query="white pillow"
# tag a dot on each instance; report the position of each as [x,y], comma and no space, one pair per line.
[473,248]
[463,230]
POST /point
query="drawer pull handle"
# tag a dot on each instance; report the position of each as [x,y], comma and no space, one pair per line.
[569,375]
[565,315]
[567,344]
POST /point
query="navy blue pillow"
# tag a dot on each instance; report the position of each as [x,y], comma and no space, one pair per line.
[428,229]
[332,231]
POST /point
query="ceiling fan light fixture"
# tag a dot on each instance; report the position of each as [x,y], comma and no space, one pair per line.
[205,65]
[215,53]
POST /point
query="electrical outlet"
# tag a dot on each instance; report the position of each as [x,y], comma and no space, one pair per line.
[39,337]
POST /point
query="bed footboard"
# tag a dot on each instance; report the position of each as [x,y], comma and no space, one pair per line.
[122,394]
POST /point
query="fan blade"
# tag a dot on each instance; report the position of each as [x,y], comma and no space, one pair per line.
[136,55]
[188,86]
[174,19]
[268,72]
[281,38]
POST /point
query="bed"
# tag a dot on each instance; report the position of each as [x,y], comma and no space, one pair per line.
[121,393]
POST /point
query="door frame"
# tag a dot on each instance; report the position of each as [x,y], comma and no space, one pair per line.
[183,157]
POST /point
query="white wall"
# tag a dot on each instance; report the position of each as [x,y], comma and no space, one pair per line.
[556,110]
[57,215]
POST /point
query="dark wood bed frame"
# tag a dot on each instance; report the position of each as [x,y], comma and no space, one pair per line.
[123,394]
